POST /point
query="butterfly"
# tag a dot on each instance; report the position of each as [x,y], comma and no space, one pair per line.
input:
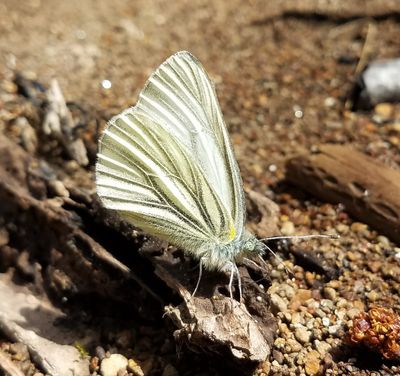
[167,166]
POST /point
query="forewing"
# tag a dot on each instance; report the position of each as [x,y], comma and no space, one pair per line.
[147,175]
[180,97]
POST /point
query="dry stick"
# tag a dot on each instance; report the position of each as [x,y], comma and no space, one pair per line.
[369,190]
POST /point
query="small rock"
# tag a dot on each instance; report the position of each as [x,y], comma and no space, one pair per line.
[374,266]
[94,364]
[29,139]
[100,352]
[170,370]
[288,228]
[280,343]
[277,304]
[322,347]
[312,363]
[278,356]
[384,241]
[294,346]
[326,322]
[359,227]
[384,110]
[57,188]
[134,368]
[310,278]
[297,318]
[302,335]
[124,338]
[334,329]
[110,366]
[359,304]
[19,351]
[373,296]
[148,365]
[300,298]
[330,293]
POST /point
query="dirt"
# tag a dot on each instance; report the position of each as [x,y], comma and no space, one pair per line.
[283,72]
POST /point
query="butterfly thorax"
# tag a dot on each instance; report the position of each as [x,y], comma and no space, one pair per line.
[221,257]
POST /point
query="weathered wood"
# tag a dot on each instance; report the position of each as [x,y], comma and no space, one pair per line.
[52,232]
[213,323]
[369,190]
[27,319]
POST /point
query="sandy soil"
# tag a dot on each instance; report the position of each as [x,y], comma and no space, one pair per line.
[282,80]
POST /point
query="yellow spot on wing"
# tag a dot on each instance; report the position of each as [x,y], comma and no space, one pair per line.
[232,233]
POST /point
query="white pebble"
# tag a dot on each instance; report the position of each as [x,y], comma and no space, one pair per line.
[110,366]
[106,84]
[325,321]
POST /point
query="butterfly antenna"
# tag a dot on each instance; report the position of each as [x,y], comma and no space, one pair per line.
[297,237]
[278,258]
[198,280]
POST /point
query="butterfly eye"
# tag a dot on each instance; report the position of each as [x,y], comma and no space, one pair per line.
[249,245]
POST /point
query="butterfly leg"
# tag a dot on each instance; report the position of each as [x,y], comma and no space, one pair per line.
[198,281]
[231,281]
[239,283]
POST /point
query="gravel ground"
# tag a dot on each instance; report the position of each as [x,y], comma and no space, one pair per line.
[282,81]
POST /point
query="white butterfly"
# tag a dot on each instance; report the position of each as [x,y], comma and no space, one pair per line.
[167,166]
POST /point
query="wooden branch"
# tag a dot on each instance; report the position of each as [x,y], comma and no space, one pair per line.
[369,190]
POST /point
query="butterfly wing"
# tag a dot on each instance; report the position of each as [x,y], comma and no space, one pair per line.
[181,98]
[163,166]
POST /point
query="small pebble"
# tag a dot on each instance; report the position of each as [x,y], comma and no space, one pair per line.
[100,352]
[170,370]
[57,188]
[312,363]
[134,368]
[288,228]
[294,346]
[326,322]
[330,293]
[322,347]
[277,304]
[106,84]
[373,296]
[110,366]
[278,356]
[384,110]
[302,335]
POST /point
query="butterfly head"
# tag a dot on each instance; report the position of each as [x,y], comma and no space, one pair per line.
[223,256]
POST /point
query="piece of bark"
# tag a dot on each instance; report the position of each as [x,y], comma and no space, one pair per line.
[263,214]
[75,264]
[369,190]
[213,323]
[58,123]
